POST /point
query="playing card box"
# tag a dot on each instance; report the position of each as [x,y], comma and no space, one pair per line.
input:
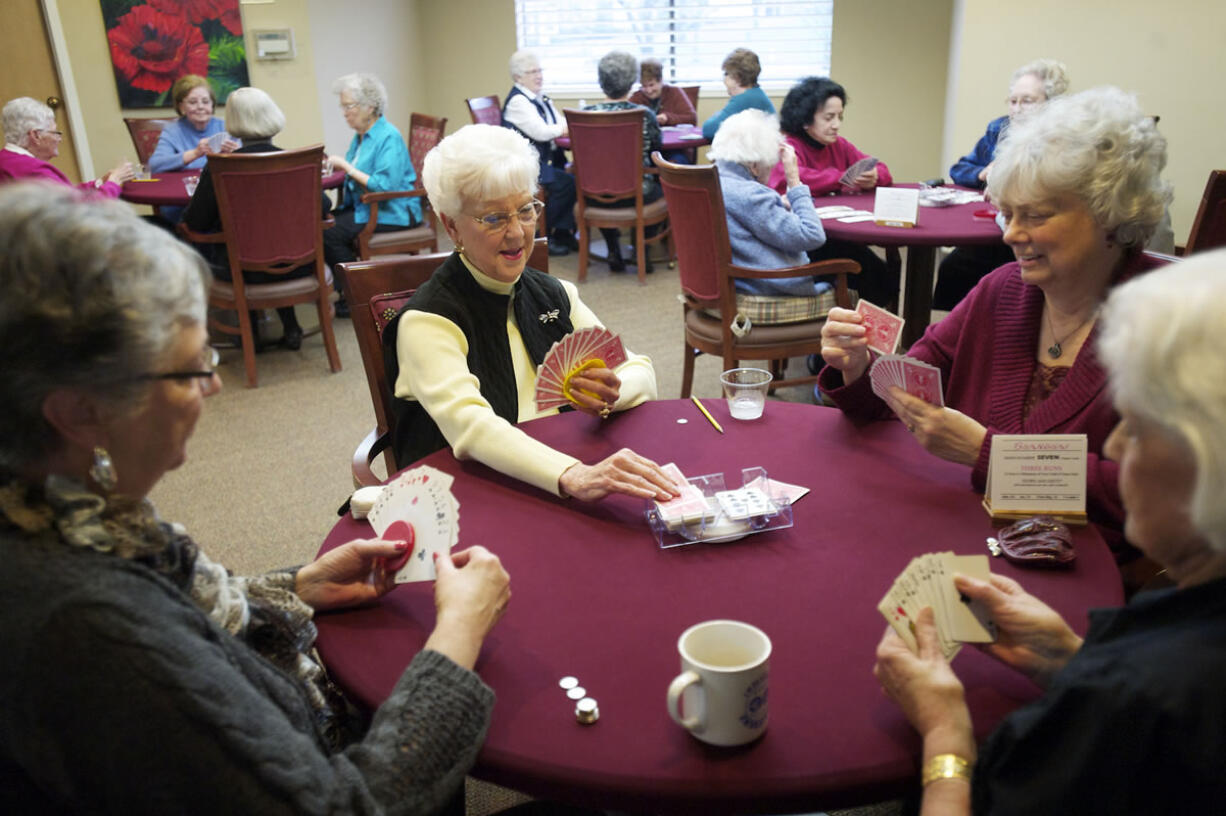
[707,511]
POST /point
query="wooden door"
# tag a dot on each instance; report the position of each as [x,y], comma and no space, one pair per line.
[29,70]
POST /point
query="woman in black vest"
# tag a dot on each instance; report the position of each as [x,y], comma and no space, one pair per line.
[463,354]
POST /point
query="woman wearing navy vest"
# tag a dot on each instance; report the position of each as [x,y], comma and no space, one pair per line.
[531,114]
[463,354]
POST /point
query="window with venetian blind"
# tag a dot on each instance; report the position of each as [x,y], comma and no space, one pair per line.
[690,37]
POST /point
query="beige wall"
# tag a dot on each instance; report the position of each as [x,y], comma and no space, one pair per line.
[1170,55]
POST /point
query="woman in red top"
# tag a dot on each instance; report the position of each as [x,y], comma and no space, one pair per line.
[810,119]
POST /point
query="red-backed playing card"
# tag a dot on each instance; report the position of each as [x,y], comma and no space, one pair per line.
[883,327]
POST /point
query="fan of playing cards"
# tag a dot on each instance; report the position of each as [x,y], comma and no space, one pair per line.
[418,506]
[915,377]
[593,347]
[929,581]
[848,179]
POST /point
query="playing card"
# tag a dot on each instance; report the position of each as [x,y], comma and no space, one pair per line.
[923,381]
[568,356]
[969,620]
[689,507]
[894,613]
[883,327]
[421,499]
[848,179]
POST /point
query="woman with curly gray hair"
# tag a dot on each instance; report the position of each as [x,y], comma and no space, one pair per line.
[1132,719]
[31,140]
[150,678]
[616,73]
[377,161]
[1078,183]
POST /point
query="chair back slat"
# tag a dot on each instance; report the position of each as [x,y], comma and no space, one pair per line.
[700,230]
[608,152]
[145,133]
[424,133]
[1209,227]
[692,92]
[270,205]
[485,110]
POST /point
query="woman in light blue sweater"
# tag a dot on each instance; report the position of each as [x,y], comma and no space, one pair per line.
[765,231]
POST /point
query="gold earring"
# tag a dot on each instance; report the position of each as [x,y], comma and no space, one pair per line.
[102,471]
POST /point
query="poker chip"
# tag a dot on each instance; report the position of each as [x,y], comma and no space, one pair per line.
[568,682]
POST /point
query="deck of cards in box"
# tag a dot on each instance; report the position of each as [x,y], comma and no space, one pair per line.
[708,511]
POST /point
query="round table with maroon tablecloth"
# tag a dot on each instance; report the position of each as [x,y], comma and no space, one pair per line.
[936,227]
[167,190]
[594,597]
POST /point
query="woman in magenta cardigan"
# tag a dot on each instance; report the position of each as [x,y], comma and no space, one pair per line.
[31,140]
[1078,184]
[810,119]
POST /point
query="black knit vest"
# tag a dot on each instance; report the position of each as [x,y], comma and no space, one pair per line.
[542,313]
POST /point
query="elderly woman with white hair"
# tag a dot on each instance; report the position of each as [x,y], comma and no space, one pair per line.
[1032,85]
[1078,184]
[377,161]
[145,677]
[1132,719]
[253,116]
[532,114]
[464,352]
[765,230]
[31,140]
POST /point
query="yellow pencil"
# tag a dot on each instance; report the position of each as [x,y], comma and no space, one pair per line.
[706,413]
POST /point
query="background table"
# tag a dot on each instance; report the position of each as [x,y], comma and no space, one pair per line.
[167,190]
[594,597]
[937,227]
[673,137]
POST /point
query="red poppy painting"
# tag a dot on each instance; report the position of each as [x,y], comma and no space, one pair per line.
[154,42]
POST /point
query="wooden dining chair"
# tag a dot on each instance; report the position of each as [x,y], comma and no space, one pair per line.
[692,92]
[270,222]
[485,110]
[424,133]
[377,289]
[145,134]
[607,147]
[1209,227]
[780,327]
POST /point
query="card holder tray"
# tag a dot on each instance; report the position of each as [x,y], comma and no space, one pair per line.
[714,526]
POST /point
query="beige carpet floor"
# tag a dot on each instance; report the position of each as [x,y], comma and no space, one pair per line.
[268,466]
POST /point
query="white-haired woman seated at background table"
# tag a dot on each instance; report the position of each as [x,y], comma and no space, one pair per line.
[141,676]
[463,353]
[765,231]
[1078,183]
[1133,719]
[31,140]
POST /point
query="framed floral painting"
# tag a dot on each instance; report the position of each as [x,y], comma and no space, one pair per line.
[154,42]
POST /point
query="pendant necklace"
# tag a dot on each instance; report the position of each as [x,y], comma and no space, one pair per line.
[1057,346]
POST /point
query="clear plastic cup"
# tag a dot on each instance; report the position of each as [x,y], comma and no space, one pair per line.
[745,389]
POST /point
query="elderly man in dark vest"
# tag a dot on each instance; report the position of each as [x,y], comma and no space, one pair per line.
[531,114]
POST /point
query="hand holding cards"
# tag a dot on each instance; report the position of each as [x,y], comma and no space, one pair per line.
[915,377]
[417,506]
[848,179]
[929,581]
[592,347]
[882,328]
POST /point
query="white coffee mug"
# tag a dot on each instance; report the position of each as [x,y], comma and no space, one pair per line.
[721,694]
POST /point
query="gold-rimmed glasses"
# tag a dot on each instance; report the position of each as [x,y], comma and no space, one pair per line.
[499,221]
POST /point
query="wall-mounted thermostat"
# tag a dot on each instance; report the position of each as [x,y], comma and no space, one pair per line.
[275,44]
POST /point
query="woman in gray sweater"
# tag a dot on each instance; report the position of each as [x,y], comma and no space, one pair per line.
[139,675]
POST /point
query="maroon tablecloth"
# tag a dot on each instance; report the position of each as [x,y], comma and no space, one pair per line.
[167,190]
[673,137]
[595,598]
[935,227]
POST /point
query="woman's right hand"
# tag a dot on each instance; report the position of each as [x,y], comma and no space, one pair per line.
[845,343]
[120,174]
[623,472]
[471,592]
[791,166]
[1031,636]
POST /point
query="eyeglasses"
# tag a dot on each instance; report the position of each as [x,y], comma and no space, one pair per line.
[1023,101]
[209,358]
[58,133]
[348,106]
[498,222]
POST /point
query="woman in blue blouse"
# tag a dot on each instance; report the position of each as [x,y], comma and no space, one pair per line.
[184,144]
[377,161]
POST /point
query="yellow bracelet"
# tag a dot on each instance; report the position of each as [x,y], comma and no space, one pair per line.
[946,766]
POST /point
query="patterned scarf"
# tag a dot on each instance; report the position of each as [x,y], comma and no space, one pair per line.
[262,611]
